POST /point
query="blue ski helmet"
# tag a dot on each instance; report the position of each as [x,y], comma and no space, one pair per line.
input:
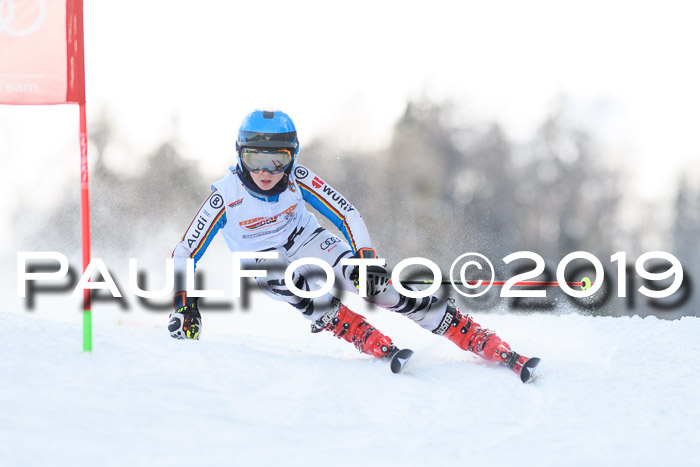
[268,129]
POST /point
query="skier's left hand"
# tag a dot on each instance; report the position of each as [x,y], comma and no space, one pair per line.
[377,276]
[186,321]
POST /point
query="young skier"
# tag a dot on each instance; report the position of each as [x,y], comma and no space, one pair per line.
[260,206]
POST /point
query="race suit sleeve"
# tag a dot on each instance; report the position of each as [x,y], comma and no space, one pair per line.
[326,200]
[203,228]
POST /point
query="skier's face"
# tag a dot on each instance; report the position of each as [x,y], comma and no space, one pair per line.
[265,180]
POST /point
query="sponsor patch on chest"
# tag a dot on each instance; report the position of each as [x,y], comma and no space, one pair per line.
[263,222]
[238,202]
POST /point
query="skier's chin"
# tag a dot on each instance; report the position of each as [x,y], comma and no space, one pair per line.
[266,181]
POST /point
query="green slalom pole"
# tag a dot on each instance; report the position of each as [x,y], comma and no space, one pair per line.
[87,331]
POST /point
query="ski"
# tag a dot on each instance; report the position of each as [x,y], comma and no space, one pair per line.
[528,369]
[399,359]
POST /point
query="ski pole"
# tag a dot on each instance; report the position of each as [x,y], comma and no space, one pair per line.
[585,283]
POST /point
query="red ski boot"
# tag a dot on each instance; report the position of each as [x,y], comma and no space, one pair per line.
[346,324]
[354,328]
[469,335]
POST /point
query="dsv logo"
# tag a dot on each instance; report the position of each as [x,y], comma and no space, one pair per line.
[8,14]
[327,243]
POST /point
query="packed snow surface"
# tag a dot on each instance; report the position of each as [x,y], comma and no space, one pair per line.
[260,389]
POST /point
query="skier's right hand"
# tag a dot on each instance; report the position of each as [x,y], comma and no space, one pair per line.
[186,322]
[377,276]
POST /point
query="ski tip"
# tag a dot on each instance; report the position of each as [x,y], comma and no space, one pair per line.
[528,369]
[399,360]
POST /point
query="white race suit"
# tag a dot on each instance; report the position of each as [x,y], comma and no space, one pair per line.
[253,223]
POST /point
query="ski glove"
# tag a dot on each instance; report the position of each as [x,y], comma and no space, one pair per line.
[377,276]
[186,322]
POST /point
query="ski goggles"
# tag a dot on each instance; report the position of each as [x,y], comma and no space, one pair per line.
[273,161]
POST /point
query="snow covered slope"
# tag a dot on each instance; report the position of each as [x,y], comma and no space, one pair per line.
[259,389]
